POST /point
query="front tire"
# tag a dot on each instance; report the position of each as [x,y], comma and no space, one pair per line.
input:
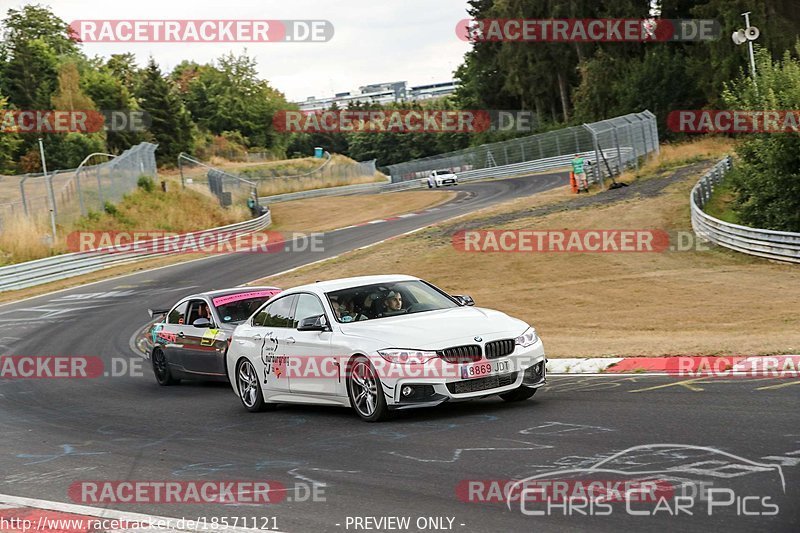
[365,391]
[519,394]
[248,386]
[161,369]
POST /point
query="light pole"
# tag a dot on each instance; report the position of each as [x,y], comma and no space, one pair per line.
[49,184]
[750,42]
[748,35]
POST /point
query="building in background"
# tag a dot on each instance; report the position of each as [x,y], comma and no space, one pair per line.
[381,93]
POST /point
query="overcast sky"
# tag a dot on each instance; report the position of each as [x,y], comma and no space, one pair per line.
[374,41]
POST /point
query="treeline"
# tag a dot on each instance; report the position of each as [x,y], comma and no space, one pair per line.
[225,109]
[203,109]
[583,82]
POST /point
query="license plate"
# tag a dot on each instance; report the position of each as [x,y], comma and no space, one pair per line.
[479,370]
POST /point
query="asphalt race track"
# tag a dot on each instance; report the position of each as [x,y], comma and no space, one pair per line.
[57,432]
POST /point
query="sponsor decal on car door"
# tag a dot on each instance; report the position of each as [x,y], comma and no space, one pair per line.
[315,370]
[271,328]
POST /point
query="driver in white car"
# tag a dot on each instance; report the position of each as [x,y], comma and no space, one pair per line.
[393,302]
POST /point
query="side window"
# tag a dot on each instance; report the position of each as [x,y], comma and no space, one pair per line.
[307,305]
[277,314]
[178,314]
[198,309]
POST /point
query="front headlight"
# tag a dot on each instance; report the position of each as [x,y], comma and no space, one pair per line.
[405,356]
[527,339]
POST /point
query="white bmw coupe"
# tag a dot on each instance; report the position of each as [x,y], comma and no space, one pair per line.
[380,343]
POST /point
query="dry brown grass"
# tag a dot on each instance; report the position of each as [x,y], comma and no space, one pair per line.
[698,302]
[25,239]
[676,154]
[272,186]
[323,214]
[176,210]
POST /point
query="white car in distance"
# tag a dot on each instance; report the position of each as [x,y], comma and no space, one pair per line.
[441,178]
[380,343]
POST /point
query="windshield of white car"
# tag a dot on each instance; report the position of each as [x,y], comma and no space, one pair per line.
[239,310]
[444,171]
[372,302]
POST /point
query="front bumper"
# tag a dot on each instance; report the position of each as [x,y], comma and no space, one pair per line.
[526,368]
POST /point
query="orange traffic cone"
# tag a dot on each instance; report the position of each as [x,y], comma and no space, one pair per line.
[573,183]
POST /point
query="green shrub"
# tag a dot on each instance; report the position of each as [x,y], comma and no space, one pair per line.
[146,183]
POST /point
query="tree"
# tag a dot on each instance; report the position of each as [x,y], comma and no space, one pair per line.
[109,93]
[34,40]
[69,96]
[171,126]
[767,177]
[9,144]
[229,96]
[123,68]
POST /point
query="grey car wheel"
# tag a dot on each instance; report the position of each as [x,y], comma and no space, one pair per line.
[248,386]
[161,369]
[365,391]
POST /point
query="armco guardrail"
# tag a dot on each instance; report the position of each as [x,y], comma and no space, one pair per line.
[505,171]
[341,191]
[32,273]
[778,245]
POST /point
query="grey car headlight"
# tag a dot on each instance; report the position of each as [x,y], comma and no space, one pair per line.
[406,356]
[528,338]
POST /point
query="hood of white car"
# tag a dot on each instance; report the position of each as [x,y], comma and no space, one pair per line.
[437,329]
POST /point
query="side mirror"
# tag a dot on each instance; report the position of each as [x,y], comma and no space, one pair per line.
[313,323]
[201,323]
[464,299]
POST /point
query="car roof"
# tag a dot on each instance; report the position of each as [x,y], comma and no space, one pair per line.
[344,283]
[232,290]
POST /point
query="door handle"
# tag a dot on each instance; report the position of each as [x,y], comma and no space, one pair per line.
[181,335]
[257,337]
[289,340]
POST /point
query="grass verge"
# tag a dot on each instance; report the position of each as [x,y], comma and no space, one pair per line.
[178,210]
[720,205]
